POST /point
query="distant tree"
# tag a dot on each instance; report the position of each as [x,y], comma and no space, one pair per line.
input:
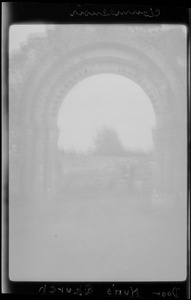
[107,142]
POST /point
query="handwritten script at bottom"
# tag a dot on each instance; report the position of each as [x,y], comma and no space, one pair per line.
[113,291]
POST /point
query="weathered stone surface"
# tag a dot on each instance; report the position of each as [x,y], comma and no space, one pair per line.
[48,67]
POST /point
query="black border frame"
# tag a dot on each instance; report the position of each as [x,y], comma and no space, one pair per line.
[38,12]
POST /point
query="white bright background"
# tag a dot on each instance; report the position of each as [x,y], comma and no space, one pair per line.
[106,100]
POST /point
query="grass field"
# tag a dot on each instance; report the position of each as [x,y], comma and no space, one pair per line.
[72,238]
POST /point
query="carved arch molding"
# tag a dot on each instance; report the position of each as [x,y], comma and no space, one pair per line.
[45,70]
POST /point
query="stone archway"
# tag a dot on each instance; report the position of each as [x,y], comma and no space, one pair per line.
[46,70]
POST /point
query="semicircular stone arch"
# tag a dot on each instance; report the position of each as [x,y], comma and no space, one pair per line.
[53,74]
[85,61]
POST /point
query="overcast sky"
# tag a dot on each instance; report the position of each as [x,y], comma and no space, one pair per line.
[106,100]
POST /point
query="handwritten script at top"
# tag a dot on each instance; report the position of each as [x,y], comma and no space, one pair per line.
[150,13]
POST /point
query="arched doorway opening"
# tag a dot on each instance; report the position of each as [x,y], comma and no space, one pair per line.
[105,142]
